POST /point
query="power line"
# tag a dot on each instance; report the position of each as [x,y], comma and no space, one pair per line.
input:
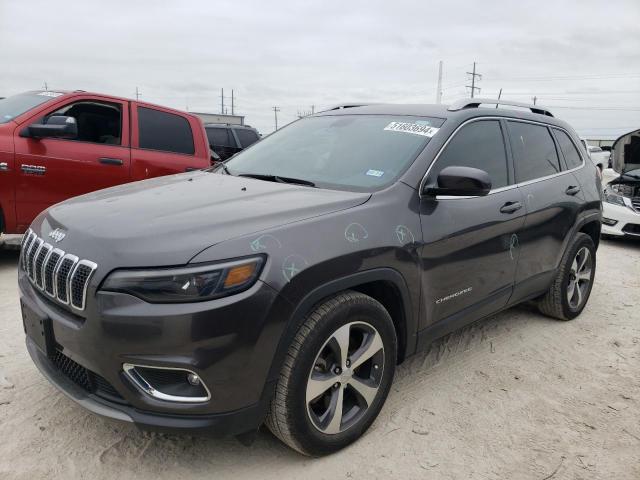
[473,80]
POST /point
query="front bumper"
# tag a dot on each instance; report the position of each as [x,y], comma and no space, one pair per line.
[626,219]
[229,342]
[230,423]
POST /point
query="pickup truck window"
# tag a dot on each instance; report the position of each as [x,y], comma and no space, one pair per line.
[98,122]
[164,131]
[16,105]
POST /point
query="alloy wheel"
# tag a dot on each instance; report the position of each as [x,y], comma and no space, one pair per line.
[345,378]
[579,278]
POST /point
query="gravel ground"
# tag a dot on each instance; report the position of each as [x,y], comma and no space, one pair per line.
[518,396]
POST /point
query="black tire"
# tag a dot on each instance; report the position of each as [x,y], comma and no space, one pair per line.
[289,416]
[555,302]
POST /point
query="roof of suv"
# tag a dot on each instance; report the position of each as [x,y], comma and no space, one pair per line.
[227,125]
[461,110]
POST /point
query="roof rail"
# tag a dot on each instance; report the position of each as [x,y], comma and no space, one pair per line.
[342,106]
[476,102]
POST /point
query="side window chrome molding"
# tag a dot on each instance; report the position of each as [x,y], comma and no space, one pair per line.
[507,187]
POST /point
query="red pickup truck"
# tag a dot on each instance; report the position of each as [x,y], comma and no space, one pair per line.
[56,145]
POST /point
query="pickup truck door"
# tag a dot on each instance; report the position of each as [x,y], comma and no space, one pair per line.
[50,170]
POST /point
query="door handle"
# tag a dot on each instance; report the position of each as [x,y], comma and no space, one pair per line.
[511,207]
[110,161]
[4,166]
[572,190]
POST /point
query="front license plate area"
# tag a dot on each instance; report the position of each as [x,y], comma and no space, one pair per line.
[39,329]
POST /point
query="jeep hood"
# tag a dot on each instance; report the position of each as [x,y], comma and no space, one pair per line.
[625,152]
[168,220]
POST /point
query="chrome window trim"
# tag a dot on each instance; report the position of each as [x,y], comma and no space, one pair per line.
[40,279]
[139,381]
[74,259]
[53,275]
[506,187]
[93,266]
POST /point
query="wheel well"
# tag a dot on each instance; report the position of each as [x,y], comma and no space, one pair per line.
[593,230]
[389,296]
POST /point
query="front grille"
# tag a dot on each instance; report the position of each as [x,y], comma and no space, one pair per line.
[635,201]
[60,275]
[85,378]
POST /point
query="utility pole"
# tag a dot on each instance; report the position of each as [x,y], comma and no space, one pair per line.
[232,110]
[439,89]
[535,99]
[46,87]
[473,80]
[499,95]
[275,114]
[313,109]
[222,101]
[138,94]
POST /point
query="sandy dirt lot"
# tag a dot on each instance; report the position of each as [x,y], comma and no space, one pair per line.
[518,396]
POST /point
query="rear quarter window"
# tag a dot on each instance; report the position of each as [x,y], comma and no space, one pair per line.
[164,131]
[534,152]
[568,149]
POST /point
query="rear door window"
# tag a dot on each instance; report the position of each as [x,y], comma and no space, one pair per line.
[246,137]
[568,149]
[479,145]
[534,151]
[164,131]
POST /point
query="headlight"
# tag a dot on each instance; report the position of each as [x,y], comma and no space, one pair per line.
[610,196]
[186,284]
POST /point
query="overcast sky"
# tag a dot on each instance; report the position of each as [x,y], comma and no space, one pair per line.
[580,58]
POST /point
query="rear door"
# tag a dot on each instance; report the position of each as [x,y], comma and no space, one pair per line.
[50,170]
[164,142]
[470,248]
[553,199]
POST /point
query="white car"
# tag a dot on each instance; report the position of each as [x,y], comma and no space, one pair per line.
[621,198]
[599,157]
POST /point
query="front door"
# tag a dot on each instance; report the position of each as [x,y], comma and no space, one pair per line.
[471,244]
[50,170]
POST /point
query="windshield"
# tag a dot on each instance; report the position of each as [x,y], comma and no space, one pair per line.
[12,107]
[352,152]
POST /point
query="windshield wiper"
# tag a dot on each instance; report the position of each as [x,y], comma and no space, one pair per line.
[278,179]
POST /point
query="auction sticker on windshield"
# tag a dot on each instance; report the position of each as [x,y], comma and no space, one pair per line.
[414,128]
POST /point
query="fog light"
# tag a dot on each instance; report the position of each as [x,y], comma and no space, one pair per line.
[609,221]
[193,379]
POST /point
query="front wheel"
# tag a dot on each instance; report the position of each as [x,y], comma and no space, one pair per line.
[571,288]
[336,376]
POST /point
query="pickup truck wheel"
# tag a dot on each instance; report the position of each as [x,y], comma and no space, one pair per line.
[571,288]
[336,376]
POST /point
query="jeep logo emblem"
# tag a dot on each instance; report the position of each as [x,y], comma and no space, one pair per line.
[57,235]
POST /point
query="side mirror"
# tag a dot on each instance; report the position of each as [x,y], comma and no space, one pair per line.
[460,182]
[214,157]
[56,126]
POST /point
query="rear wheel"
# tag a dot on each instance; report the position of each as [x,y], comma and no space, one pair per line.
[571,288]
[336,376]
